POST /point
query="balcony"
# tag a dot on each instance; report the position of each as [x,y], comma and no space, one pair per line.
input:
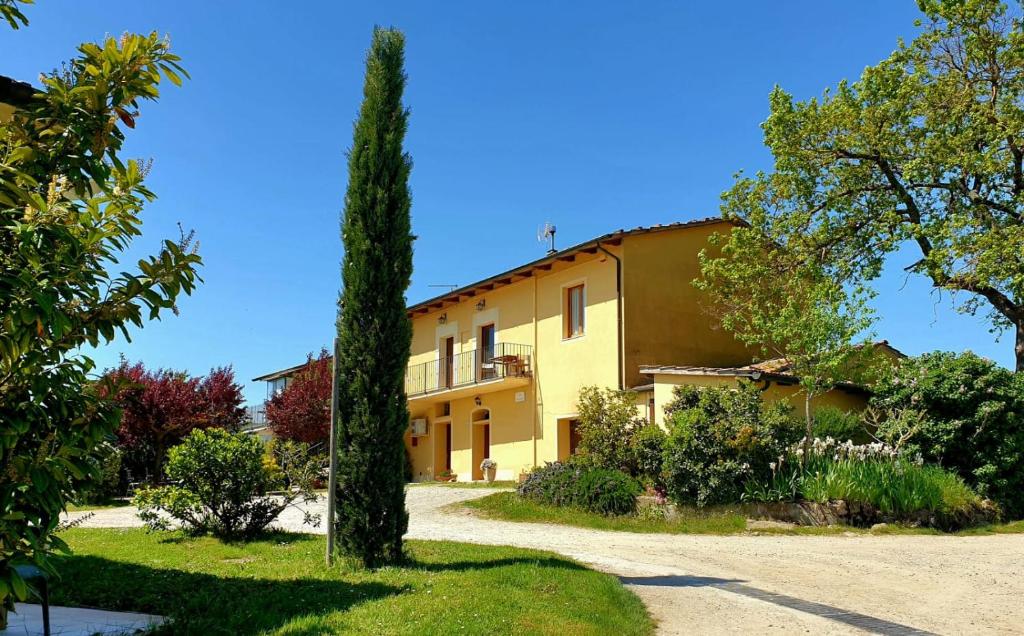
[499,367]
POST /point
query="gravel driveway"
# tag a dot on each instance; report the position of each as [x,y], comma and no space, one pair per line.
[759,584]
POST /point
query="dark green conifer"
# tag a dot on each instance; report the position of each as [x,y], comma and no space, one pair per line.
[374,331]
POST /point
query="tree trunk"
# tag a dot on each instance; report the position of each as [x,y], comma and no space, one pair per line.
[809,422]
[1019,349]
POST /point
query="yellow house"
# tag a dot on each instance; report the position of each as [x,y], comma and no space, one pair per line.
[496,366]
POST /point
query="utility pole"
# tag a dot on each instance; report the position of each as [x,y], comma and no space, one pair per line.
[332,478]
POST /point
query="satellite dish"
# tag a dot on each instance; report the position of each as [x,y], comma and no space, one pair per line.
[546,234]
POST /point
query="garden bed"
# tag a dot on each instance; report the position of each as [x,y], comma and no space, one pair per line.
[863,515]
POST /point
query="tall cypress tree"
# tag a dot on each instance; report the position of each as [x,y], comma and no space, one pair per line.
[374,332]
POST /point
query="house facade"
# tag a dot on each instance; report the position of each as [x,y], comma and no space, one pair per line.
[496,367]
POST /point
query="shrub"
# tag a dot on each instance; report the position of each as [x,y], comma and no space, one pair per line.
[599,490]
[607,420]
[718,439]
[648,449]
[108,484]
[970,419]
[830,421]
[222,486]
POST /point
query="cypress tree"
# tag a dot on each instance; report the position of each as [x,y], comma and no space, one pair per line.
[374,331]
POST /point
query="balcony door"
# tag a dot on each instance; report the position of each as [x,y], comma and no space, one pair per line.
[486,350]
[448,362]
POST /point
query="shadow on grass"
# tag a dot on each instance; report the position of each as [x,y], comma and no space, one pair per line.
[201,603]
[487,564]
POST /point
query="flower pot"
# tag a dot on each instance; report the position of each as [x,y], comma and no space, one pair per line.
[489,474]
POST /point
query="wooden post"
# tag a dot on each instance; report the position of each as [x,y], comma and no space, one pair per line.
[332,479]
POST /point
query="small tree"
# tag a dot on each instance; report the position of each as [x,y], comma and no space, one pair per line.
[69,207]
[302,412]
[222,487]
[607,420]
[374,331]
[787,308]
[160,407]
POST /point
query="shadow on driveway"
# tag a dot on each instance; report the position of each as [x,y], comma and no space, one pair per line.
[736,586]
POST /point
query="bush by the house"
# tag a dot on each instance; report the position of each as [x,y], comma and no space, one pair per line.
[594,489]
[836,423]
[607,419]
[969,419]
[222,487]
[648,449]
[876,476]
[718,439]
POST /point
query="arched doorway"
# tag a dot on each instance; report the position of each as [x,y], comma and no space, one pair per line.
[480,421]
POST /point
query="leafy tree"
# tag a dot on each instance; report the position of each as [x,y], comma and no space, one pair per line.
[160,407]
[302,412]
[374,332]
[607,420]
[69,206]
[11,12]
[786,308]
[970,419]
[926,150]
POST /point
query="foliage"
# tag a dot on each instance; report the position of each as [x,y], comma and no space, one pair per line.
[278,585]
[222,487]
[830,421]
[970,419]
[11,13]
[718,439]
[160,407]
[606,420]
[874,474]
[69,207]
[925,150]
[302,411]
[597,490]
[647,446]
[374,331]
[108,483]
[787,308]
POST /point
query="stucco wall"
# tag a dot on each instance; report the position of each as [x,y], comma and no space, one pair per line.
[665,317]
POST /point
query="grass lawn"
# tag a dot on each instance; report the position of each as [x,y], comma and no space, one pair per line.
[715,520]
[465,484]
[279,585]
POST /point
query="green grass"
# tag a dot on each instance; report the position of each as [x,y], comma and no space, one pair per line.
[719,520]
[511,507]
[465,484]
[279,585]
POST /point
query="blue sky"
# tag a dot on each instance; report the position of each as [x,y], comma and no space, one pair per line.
[619,115]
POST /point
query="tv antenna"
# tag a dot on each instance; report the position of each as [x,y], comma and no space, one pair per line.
[546,234]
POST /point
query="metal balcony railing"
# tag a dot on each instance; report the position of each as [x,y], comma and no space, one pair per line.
[502,360]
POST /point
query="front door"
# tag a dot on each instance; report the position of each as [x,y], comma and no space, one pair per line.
[486,352]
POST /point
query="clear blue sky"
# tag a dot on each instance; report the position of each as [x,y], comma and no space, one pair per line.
[619,115]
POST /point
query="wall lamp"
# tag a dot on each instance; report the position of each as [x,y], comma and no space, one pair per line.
[481,304]
[477,400]
[442,319]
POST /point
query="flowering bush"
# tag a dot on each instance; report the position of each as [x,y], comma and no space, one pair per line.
[600,490]
[875,474]
[718,439]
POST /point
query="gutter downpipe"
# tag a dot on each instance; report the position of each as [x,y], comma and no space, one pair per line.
[536,405]
[618,304]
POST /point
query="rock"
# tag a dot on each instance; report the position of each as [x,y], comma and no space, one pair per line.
[879,526]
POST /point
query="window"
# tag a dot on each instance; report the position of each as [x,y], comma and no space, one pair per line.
[574,311]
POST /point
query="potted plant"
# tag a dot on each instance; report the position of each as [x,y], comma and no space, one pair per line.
[446,475]
[489,467]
